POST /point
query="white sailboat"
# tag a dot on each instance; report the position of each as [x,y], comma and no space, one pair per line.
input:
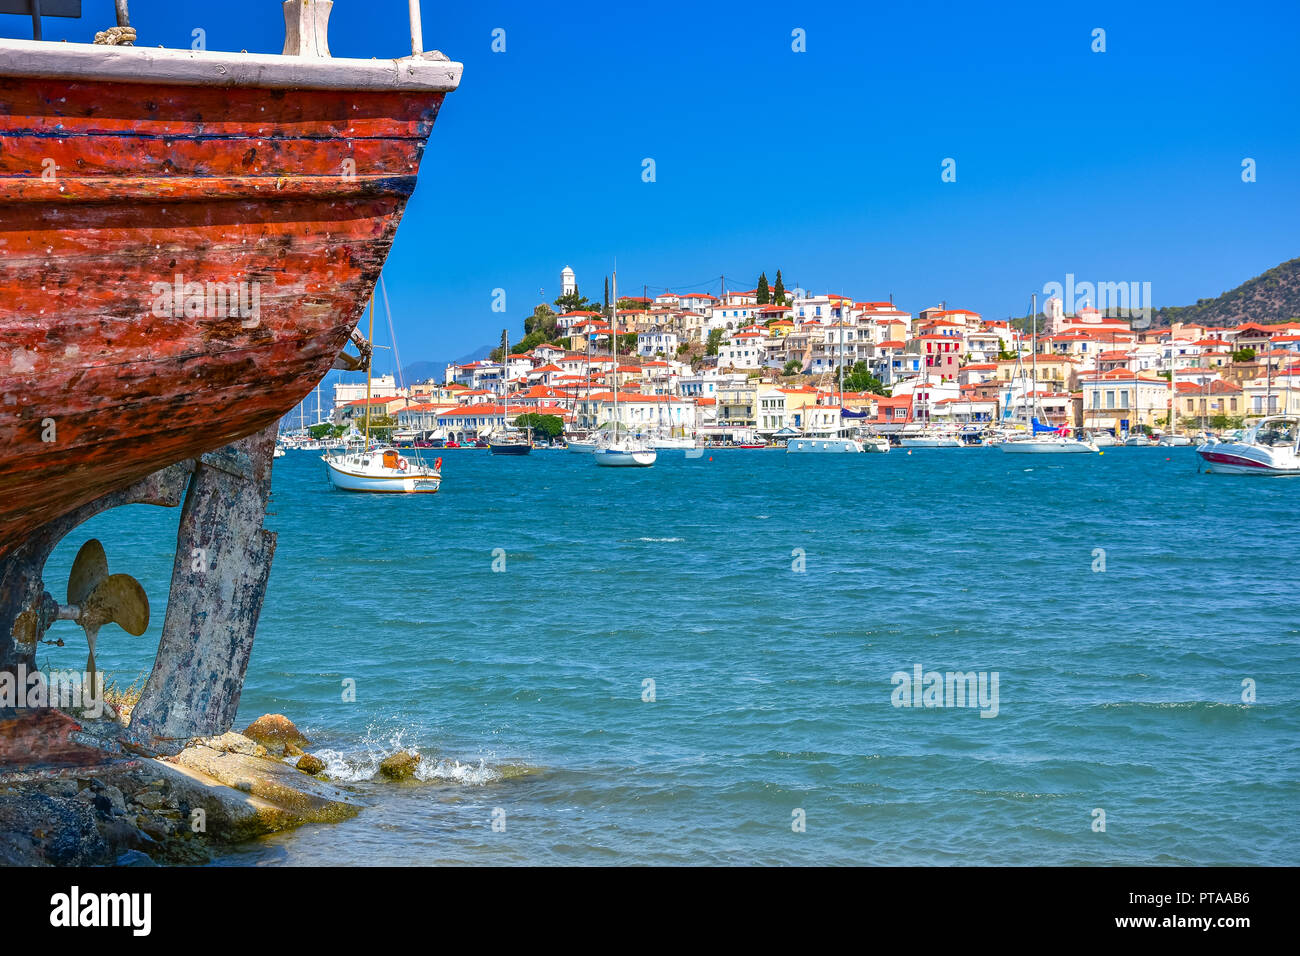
[381,468]
[1040,440]
[612,451]
[931,438]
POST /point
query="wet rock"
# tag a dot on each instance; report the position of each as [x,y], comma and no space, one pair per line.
[399,766]
[275,732]
[233,743]
[275,796]
[310,765]
[293,750]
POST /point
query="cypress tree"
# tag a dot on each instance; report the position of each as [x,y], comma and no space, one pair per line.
[764,294]
[778,291]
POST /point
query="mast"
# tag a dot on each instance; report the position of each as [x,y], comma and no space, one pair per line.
[1173,390]
[614,343]
[1268,371]
[505,383]
[1033,317]
[369,363]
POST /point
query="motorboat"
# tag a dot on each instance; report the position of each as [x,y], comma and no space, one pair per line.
[1271,447]
[1174,441]
[875,444]
[382,469]
[824,445]
[1138,440]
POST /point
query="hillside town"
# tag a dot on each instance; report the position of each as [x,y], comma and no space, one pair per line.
[763,365]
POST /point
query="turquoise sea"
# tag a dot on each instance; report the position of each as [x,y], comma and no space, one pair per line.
[771,598]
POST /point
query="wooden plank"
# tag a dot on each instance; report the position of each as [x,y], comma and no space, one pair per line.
[429,71]
[214,602]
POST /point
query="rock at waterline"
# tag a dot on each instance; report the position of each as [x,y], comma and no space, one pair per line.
[399,766]
[283,796]
[310,765]
[276,733]
[232,743]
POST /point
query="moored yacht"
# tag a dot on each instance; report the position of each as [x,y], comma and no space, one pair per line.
[931,438]
[382,469]
[1271,447]
[1047,445]
[839,444]
[625,453]
[612,451]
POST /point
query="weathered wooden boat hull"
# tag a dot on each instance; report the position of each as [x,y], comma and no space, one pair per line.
[131,217]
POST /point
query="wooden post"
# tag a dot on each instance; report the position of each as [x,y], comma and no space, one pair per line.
[417,31]
[219,577]
[306,28]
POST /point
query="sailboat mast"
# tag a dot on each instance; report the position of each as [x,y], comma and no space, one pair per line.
[1033,317]
[505,376]
[614,340]
[369,363]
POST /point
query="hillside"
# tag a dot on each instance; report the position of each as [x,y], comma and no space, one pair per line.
[1271,297]
[424,370]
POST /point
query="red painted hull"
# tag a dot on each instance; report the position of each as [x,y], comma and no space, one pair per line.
[291,196]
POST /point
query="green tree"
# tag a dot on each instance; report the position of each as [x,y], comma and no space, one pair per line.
[715,339]
[1243,355]
[778,290]
[606,309]
[764,293]
[543,319]
[552,426]
[860,379]
[381,426]
[326,430]
[792,367]
[575,301]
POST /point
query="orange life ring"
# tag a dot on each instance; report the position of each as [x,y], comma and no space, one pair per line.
[402,464]
[437,465]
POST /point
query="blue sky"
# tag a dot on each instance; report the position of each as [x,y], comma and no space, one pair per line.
[1115,166]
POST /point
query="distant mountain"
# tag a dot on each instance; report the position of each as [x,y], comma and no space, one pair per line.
[1271,297]
[423,371]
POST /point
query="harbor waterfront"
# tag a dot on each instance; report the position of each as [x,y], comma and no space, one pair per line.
[1139,617]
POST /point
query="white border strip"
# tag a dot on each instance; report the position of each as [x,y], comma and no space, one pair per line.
[429,71]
